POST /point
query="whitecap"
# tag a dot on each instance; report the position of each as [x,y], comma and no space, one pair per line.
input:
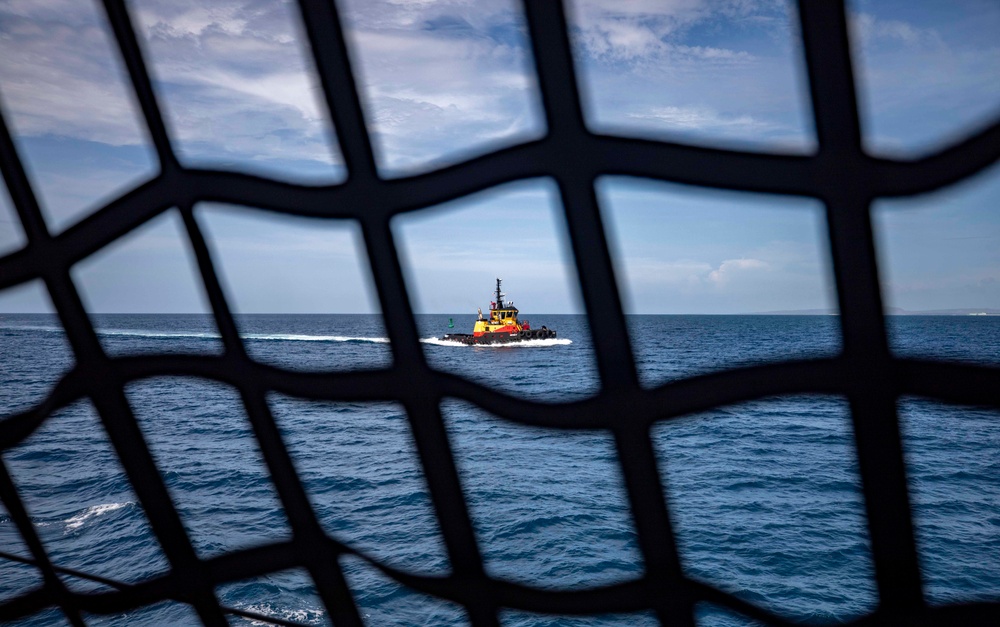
[92,512]
[294,615]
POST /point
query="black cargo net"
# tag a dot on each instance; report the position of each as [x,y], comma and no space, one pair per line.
[840,174]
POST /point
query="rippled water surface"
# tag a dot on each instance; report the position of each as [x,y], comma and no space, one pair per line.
[764,495]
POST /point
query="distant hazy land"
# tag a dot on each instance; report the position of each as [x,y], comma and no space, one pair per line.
[890,311]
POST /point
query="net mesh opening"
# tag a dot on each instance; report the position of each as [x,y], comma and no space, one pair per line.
[839,173]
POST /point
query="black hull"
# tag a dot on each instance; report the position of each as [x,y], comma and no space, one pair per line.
[501,338]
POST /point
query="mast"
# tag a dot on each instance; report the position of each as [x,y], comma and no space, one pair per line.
[499,295]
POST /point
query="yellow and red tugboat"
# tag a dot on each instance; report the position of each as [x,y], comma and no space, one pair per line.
[502,326]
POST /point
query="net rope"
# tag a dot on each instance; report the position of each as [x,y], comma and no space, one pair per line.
[839,173]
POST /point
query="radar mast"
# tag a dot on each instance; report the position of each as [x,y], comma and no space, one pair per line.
[499,295]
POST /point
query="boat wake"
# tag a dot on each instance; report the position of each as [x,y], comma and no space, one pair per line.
[276,337]
[157,334]
[210,335]
[122,332]
[295,337]
[292,337]
[436,341]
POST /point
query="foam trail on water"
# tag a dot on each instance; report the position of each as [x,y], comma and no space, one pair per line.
[119,332]
[281,337]
[165,334]
[293,337]
[28,327]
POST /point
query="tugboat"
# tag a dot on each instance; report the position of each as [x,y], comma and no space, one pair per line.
[502,326]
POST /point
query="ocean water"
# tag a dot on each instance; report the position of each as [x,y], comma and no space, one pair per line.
[763,495]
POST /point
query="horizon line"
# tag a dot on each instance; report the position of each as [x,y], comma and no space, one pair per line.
[959,311]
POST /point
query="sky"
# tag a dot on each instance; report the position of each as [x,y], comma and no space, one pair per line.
[445,80]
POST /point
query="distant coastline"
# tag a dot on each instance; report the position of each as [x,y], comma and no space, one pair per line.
[890,311]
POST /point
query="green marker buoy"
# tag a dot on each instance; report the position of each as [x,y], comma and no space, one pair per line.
[451,323]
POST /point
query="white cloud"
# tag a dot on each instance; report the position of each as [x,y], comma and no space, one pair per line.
[870,30]
[59,74]
[713,70]
[647,271]
[741,285]
[236,80]
[413,14]
[231,76]
[646,30]
[709,53]
[700,118]
[732,270]
[922,84]
[442,79]
[688,274]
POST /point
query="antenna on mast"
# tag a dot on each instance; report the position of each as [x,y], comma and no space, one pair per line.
[500,295]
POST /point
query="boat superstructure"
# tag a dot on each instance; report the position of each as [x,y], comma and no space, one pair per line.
[501,326]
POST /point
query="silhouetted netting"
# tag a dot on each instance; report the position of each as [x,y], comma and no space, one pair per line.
[840,174]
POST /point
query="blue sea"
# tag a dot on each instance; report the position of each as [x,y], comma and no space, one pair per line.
[764,495]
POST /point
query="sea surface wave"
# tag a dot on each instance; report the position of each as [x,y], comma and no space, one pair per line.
[764,495]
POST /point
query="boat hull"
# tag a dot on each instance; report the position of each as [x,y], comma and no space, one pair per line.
[501,338]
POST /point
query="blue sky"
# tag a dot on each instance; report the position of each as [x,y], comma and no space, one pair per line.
[445,80]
